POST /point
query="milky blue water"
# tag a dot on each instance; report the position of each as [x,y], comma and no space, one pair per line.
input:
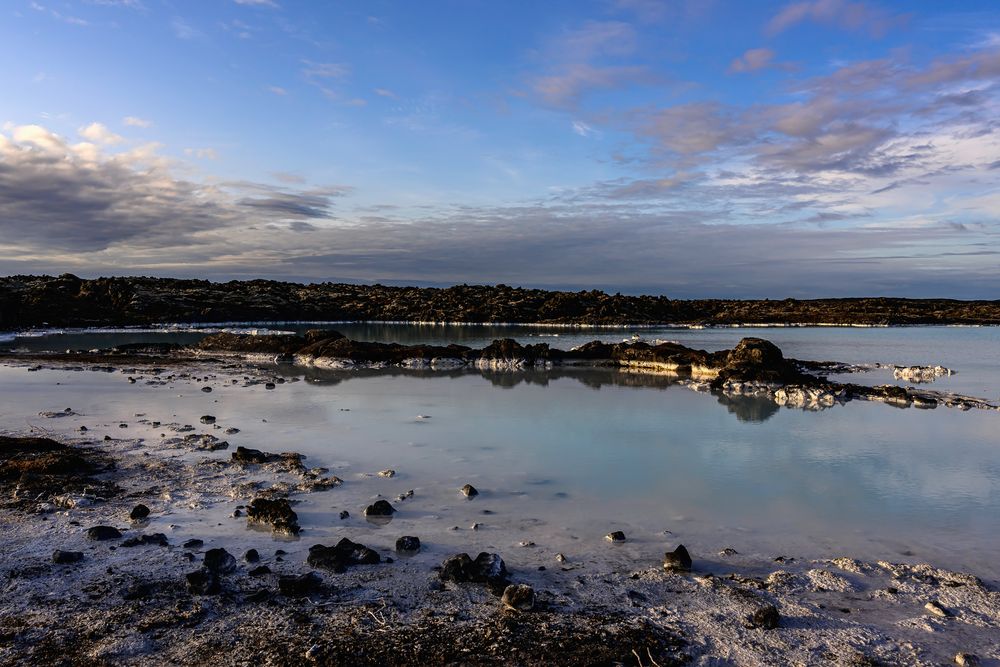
[566,456]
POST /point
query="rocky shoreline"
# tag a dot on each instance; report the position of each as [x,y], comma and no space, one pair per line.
[96,569]
[34,301]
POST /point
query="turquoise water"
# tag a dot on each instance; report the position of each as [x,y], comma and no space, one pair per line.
[564,457]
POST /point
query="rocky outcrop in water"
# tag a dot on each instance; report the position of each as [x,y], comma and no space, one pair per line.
[66,300]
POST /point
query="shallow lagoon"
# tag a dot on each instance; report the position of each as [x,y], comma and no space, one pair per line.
[564,457]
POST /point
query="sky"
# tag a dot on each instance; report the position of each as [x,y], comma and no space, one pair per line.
[692,148]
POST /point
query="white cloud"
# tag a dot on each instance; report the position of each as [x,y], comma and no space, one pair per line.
[134,121]
[100,134]
[277,90]
[258,3]
[202,153]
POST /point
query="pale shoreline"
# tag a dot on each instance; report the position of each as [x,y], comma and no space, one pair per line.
[833,609]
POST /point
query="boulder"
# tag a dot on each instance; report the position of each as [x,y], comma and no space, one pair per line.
[297,586]
[277,513]
[219,561]
[408,544]
[678,560]
[139,512]
[203,582]
[519,597]
[61,557]
[101,533]
[380,508]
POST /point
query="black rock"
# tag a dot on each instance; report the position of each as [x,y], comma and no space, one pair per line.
[194,544]
[678,560]
[158,539]
[139,512]
[251,556]
[345,554]
[207,390]
[344,514]
[207,419]
[299,586]
[408,544]
[247,455]
[616,536]
[101,533]
[259,571]
[269,385]
[203,582]
[486,568]
[63,557]
[220,561]
[469,491]
[380,508]
[766,617]
[278,513]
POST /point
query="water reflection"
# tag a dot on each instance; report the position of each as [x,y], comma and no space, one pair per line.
[752,409]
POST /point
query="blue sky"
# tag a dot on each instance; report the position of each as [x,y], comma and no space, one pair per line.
[710,148]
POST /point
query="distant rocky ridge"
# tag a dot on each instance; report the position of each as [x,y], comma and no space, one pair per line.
[32,301]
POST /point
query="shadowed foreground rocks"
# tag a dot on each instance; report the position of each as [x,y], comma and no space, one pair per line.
[67,300]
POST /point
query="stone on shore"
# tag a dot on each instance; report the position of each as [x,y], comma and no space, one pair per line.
[139,512]
[101,533]
[61,557]
[219,561]
[519,597]
[408,544]
[341,556]
[678,560]
[380,508]
[277,513]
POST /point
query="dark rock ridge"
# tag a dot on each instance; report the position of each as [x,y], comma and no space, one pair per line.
[66,300]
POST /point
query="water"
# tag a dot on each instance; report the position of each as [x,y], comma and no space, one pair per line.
[564,457]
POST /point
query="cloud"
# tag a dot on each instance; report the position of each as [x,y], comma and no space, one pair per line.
[581,128]
[314,70]
[566,87]
[184,30]
[202,153]
[100,134]
[58,197]
[133,121]
[59,16]
[385,92]
[258,3]
[753,60]
[840,13]
[277,90]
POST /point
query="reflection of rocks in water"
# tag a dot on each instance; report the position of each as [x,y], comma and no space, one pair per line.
[755,409]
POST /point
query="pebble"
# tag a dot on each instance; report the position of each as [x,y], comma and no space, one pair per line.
[388,472]
[560,558]
[269,385]
[344,514]
[63,557]
[936,609]
[139,512]
[101,533]
[207,419]
[469,491]
[616,536]
[207,390]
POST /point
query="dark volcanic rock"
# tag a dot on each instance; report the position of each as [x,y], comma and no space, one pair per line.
[101,533]
[278,513]
[299,586]
[67,300]
[194,544]
[519,597]
[758,360]
[219,561]
[469,491]
[615,536]
[678,560]
[37,468]
[766,617]
[251,556]
[203,582]
[380,508]
[61,557]
[158,539]
[408,544]
[139,512]
[207,419]
[487,569]
[291,461]
[342,556]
